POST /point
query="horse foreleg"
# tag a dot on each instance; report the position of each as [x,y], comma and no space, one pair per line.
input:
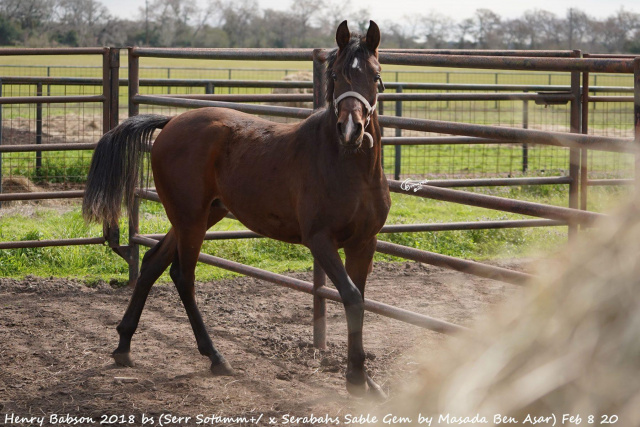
[327,256]
[358,263]
[182,272]
[154,263]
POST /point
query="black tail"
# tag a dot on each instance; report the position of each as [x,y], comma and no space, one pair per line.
[116,165]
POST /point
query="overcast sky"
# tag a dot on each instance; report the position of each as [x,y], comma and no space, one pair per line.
[394,10]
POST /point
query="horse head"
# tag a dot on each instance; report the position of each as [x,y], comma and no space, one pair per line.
[353,73]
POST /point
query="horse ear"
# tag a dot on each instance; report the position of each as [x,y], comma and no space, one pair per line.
[343,35]
[373,36]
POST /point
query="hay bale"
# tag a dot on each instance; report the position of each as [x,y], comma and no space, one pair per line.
[304,76]
[569,345]
[19,184]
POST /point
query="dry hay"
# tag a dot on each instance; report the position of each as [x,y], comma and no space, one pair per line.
[300,76]
[569,345]
[59,129]
[21,184]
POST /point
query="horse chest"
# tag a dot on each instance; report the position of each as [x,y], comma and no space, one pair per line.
[351,212]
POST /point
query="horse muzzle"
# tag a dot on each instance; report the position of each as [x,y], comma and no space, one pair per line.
[350,132]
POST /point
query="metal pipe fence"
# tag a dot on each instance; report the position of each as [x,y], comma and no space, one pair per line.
[411,100]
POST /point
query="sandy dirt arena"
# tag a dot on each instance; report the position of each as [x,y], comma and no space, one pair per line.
[56,337]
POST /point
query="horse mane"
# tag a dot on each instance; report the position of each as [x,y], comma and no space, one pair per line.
[356,48]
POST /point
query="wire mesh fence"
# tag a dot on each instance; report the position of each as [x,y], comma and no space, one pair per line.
[61,123]
[45,124]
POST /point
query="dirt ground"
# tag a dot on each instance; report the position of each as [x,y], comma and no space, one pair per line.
[56,337]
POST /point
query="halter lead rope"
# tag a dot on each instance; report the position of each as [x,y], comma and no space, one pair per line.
[369,107]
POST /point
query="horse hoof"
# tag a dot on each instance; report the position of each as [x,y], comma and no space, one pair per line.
[222,369]
[368,389]
[375,391]
[123,359]
[357,390]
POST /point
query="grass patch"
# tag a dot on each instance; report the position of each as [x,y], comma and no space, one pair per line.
[91,263]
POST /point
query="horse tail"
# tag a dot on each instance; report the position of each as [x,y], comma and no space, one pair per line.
[116,165]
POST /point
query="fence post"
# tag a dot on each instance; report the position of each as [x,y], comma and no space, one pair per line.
[574,153]
[381,113]
[398,161]
[1,124]
[525,125]
[636,117]
[110,107]
[319,276]
[495,105]
[134,109]
[38,129]
[584,153]
[209,89]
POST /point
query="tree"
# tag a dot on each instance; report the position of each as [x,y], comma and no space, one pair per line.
[437,30]
[237,18]
[619,30]
[486,29]
[81,21]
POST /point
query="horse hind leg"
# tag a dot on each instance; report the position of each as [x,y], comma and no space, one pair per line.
[182,272]
[154,263]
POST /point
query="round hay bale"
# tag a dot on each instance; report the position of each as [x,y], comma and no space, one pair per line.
[568,346]
[19,184]
[300,76]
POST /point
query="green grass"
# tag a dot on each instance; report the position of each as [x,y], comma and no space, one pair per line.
[95,262]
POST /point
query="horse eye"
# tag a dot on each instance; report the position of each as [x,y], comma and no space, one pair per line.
[334,76]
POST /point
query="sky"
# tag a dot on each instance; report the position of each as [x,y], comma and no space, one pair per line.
[395,10]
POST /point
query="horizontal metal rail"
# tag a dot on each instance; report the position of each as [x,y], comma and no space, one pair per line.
[511,63]
[462,265]
[256,54]
[94,81]
[474,225]
[70,194]
[46,147]
[54,51]
[498,203]
[570,140]
[248,97]
[400,228]
[488,52]
[552,97]
[611,182]
[51,99]
[301,97]
[623,145]
[225,83]
[441,140]
[610,99]
[497,182]
[324,292]
[53,242]
[270,110]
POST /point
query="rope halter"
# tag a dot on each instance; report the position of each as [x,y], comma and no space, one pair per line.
[369,107]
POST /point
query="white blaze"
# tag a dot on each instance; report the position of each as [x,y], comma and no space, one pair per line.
[355,63]
[349,128]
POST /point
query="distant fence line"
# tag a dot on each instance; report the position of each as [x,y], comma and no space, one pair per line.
[230,73]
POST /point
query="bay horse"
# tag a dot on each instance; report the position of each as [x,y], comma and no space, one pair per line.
[318,183]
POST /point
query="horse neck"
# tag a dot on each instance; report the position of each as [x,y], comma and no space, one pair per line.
[368,161]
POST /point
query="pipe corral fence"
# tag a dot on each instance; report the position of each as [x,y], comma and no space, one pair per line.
[422,132]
